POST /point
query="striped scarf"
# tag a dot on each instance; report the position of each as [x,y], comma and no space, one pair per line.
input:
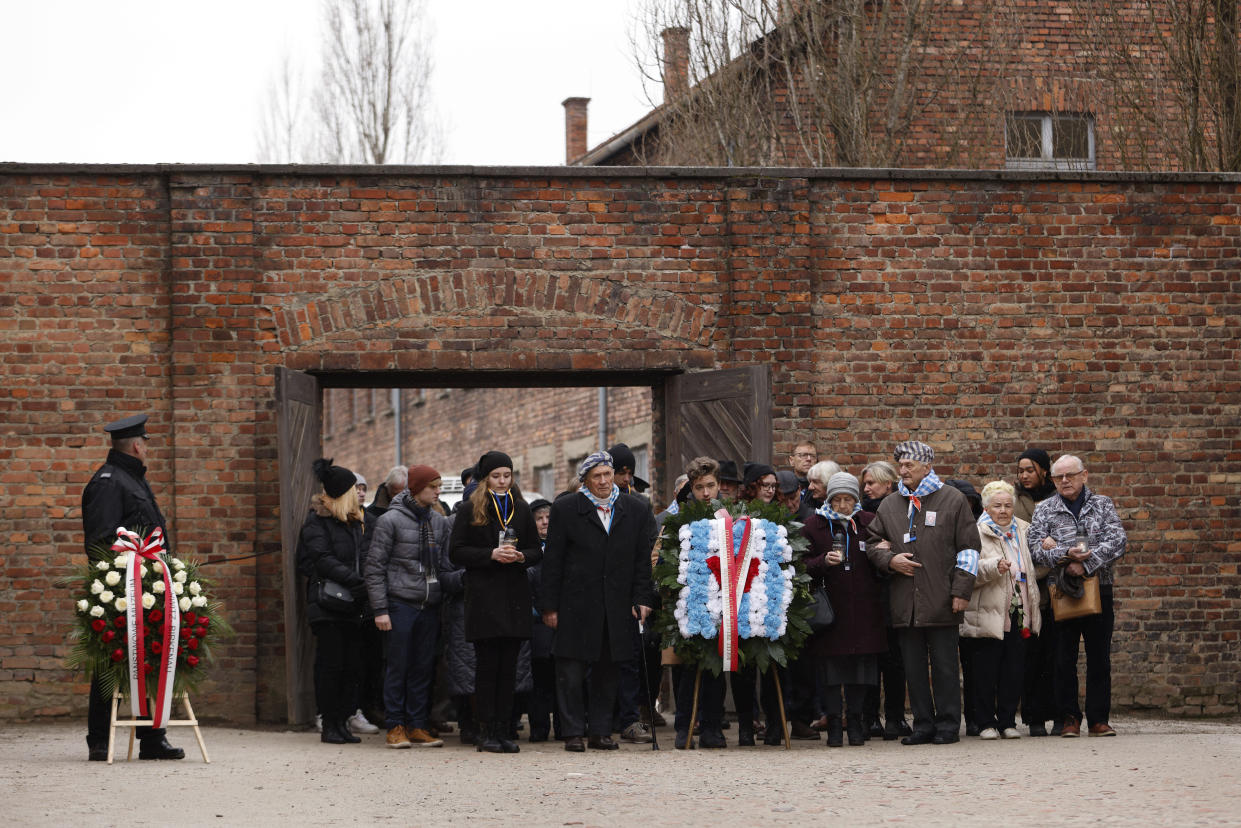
[604,506]
[930,483]
[828,513]
[1021,586]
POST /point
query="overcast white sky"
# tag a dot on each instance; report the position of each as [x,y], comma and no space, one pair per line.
[146,81]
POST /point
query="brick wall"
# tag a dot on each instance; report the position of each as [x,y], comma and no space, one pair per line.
[450,428]
[1093,314]
[977,62]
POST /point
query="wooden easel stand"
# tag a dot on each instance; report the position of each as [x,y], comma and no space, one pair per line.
[133,724]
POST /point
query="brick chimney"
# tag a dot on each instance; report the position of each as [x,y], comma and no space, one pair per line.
[676,62]
[574,128]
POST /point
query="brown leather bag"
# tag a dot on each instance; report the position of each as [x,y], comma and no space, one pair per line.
[1065,608]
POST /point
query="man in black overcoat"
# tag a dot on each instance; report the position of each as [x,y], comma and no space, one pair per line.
[118,495]
[596,587]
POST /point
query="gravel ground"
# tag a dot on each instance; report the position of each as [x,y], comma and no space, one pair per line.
[1156,772]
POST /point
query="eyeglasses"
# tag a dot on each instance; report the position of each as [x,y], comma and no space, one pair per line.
[1062,478]
[768,487]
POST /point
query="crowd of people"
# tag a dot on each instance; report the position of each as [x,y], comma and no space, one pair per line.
[499,609]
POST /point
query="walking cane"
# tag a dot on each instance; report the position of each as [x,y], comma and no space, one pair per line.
[693,710]
[784,720]
[650,701]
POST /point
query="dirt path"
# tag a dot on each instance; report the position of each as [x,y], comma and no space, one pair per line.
[1157,772]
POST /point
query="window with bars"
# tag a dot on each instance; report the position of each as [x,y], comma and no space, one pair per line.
[1049,141]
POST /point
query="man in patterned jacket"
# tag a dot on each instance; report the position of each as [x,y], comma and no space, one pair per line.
[1053,543]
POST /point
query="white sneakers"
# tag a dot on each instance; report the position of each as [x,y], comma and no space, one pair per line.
[358,723]
[1011,733]
[989,734]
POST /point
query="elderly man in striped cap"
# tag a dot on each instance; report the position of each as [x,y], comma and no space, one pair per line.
[596,587]
[927,540]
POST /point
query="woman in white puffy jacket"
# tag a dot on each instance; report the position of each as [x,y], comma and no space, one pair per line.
[1002,614]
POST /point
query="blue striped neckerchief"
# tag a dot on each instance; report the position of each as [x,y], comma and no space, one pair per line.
[831,514]
[1009,536]
[930,483]
[604,506]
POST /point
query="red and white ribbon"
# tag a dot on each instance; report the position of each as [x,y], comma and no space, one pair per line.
[734,575]
[138,549]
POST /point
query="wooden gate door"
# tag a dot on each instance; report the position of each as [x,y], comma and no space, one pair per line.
[298,430]
[722,414]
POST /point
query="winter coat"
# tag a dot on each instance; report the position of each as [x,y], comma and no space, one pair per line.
[1027,500]
[541,636]
[1052,518]
[497,596]
[593,577]
[925,598]
[856,594]
[118,495]
[459,663]
[396,564]
[334,550]
[993,592]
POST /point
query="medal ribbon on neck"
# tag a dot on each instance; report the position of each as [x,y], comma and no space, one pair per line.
[505,516]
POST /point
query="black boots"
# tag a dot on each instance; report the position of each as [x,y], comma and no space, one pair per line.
[835,734]
[506,735]
[493,738]
[336,732]
[857,731]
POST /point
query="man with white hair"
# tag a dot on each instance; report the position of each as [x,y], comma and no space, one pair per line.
[926,538]
[1055,528]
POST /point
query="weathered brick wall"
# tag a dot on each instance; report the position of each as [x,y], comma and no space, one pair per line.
[978,61]
[449,429]
[982,313]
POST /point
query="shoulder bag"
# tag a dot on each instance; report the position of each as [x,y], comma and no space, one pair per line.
[1065,608]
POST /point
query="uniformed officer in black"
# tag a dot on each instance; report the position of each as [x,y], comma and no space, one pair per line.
[118,495]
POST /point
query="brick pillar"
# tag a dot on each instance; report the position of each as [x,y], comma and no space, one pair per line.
[215,390]
[676,62]
[574,128]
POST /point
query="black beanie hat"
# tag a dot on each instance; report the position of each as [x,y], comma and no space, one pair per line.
[491,461]
[336,480]
[1038,456]
[467,474]
[755,472]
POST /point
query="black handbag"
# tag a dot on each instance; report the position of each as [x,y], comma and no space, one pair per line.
[335,598]
[822,615]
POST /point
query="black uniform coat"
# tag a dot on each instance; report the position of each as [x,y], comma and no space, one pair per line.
[590,575]
[118,495]
[497,596]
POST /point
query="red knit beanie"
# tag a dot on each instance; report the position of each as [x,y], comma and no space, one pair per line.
[419,478]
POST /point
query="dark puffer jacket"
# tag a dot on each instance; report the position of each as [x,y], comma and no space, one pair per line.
[397,565]
[334,550]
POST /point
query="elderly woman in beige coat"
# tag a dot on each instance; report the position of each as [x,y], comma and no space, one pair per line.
[1002,614]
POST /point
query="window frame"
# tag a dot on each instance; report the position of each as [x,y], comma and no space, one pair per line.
[1047,161]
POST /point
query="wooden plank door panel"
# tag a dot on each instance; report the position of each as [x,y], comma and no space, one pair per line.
[723,414]
[299,434]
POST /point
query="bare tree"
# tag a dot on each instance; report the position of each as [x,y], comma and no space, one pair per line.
[1172,71]
[372,102]
[817,82]
[283,133]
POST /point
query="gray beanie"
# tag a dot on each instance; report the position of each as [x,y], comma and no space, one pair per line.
[842,483]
